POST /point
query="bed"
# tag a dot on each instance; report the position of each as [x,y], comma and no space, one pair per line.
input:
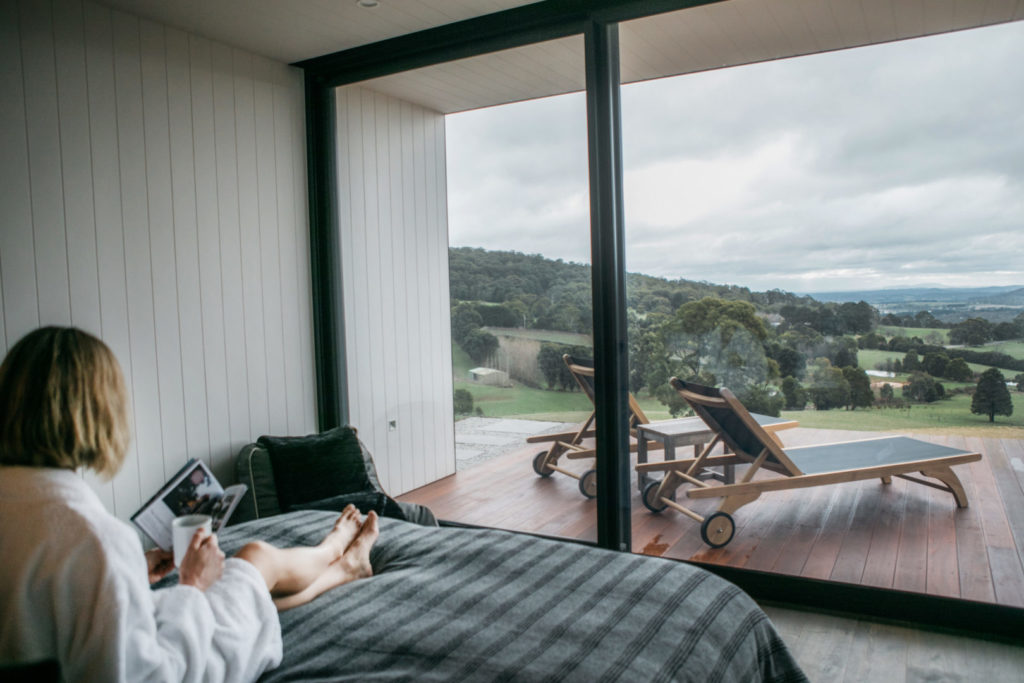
[450,604]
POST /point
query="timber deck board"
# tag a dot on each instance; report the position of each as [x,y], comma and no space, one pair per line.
[903,535]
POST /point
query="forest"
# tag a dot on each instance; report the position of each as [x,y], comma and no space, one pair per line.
[776,350]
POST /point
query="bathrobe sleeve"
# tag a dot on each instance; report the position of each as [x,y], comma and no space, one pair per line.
[125,631]
[118,631]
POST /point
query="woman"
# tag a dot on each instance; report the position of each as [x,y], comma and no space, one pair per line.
[73,578]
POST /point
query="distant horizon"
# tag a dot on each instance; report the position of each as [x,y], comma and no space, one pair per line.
[893,166]
[791,291]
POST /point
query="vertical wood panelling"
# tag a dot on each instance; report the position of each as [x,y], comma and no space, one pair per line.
[138,270]
[394,255]
[291,222]
[304,303]
[270,267]
[152,191]
[43,132]
[208,228]
[186,243]
[17,260]
[249,239]
[105,175]
[73,115]
[79,212]
[160,206]
[235,339]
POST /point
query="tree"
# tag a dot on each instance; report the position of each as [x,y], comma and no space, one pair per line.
[972,332]
[844,352]
[871,340]
[935,364]
[958,371]
[556,374]
[794,395]
[465,319]
[910,362]
[791,362]
[1019,379]
[991,397]
[923,387]
[886,395]
[462,401]
[861,395]
[723,339]
[480,345]
[828,388]
[762,399]
[858,318]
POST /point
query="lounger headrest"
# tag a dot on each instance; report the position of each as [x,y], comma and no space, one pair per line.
[722,418]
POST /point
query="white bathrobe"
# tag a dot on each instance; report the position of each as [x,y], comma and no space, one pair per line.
[74,587]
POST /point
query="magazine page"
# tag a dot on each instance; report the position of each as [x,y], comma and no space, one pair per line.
[193,491]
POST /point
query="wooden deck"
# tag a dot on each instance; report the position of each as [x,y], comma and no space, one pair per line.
[904,536]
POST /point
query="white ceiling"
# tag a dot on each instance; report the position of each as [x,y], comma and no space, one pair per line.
[293,30]
[713,36]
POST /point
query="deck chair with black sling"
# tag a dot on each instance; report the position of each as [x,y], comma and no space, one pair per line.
[570,444]
[800,467]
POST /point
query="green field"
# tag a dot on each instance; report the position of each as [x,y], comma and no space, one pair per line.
[1010,348]
[951,414]
[870,358]
[922,332]
[533,404]
[948,415]
[570,338]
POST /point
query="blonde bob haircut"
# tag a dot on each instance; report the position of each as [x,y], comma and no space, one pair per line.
[63,403]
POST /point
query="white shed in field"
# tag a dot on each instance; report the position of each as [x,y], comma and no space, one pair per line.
[498,378]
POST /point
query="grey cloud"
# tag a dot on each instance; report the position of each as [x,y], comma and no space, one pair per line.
[901,163]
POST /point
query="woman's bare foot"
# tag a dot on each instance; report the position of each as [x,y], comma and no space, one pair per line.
[357,555]
[346,527]
[352,564]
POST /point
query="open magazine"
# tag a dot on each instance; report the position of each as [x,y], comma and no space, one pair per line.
[193,490]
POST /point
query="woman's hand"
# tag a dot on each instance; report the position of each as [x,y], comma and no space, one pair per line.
[203,562]
[160,563]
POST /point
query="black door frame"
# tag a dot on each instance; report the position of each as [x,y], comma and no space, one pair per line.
[597,21]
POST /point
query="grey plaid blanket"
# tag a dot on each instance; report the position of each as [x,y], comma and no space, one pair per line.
[448,604]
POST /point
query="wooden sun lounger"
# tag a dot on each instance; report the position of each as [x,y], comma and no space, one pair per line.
[570,444]
[801,467]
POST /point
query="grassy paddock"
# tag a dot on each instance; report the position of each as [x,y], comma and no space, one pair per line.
[570,338]
[922,332]
[948,415]
[869,358]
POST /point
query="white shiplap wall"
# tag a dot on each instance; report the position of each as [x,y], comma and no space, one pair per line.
[153,192]
[394,256]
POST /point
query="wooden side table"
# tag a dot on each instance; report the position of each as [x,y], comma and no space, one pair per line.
[692,431]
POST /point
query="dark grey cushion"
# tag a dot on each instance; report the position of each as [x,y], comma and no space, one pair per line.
[307,468]
[319,466]
[364,500]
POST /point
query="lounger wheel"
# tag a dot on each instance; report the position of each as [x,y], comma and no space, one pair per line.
[717,529]
[588,483]
[650,497]
[539,466]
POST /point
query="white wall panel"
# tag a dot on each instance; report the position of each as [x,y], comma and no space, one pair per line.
[152,191]
[46,189]
[17,257]
[394,255]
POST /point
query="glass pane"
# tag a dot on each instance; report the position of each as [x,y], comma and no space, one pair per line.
[836,240]
[462,208]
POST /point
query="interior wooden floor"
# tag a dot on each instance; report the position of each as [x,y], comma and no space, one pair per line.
[903,536]
[839,649]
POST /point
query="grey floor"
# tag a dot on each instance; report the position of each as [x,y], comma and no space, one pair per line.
[833,649]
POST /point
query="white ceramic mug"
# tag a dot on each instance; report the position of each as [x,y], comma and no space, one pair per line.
[184,528]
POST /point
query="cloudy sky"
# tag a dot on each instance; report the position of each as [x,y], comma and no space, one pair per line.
[887,166]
